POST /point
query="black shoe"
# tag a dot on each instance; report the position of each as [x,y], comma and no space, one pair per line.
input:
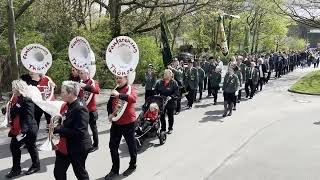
[169,132]
[111,175]
[13,173]
[234,109]
[177,113]
[130,170]
[250,97]
[224,115]
[215,103]
[94,148]
[33,169]
[230,113]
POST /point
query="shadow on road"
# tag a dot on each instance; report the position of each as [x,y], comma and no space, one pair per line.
[26,164]
[212,116]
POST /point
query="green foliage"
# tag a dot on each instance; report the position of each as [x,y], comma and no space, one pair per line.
[149,54]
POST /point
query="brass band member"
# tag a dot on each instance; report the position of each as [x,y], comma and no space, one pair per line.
[89,89]
[125,126]
[24,108]
[75,131]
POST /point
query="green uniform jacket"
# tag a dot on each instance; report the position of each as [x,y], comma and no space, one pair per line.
[243,68]
[206,67]
[178,75]
[191,78]
[149,81]
[214,79]
[201,75]
[255,75]
[230,83]
[239,74]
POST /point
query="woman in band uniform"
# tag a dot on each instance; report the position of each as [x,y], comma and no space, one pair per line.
[24,108]
[75,131]
[125,126]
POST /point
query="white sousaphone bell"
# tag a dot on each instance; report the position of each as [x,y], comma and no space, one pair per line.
[122,58]
[81,55]
[36,58]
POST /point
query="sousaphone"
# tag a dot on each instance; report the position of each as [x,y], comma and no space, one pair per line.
[81,55]
[122,58]
[36,58]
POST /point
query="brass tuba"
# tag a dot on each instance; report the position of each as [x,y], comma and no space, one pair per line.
[122,58]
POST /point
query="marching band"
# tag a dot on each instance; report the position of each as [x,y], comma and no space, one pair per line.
[78,110]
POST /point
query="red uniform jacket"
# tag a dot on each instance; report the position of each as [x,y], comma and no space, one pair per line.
[129,114]
[46,90]
[151,115]
[62,145]
[15,128]
[88,94]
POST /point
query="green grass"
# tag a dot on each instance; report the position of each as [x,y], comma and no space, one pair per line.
[308,84]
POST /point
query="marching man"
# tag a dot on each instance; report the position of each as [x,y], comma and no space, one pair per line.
[89,89]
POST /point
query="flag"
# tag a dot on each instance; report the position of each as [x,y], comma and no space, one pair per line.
[221,39]
[165,38]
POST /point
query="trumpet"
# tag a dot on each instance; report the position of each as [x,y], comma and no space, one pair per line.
[49,144]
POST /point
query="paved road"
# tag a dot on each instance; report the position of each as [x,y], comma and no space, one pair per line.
[271,137]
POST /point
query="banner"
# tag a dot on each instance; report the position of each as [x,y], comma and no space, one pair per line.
[222,44]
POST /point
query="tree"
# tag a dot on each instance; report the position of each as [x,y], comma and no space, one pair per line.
[12,42]
[144,14]
[302,11]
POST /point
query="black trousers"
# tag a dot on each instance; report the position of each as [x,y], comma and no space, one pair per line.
[78,162]
[178,107]
[30,142]
[190,96]
[239,95]
[250,84]
[93,117]
[116,132]
[268,77]
[200,90]
[215,93]
[210,90]
[205,80]
[148,94]
[169,112]
[261,82]
[38,114]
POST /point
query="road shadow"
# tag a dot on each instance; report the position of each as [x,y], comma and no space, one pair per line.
[146,144]
[213,116]
[317,123]
[115,178]
[26,164]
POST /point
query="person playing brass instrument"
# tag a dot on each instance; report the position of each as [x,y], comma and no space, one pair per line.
[24,108]
[124,126]
[89,89]
[75,132]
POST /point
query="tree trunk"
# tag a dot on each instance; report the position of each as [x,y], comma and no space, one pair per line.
[253,39]
[257,40]
[229,35]
[12,42]
[115,10]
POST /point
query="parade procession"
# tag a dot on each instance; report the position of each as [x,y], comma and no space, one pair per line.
[158,90]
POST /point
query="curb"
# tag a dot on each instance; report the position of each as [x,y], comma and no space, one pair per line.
[305,93]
